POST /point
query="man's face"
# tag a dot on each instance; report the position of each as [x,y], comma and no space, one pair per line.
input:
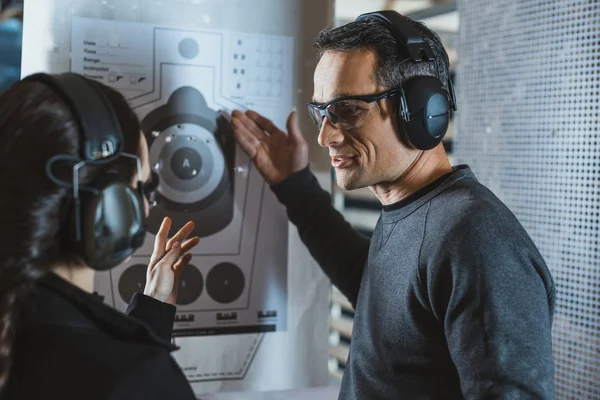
[367,151]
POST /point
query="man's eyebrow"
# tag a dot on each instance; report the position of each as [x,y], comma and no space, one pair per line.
[336,96]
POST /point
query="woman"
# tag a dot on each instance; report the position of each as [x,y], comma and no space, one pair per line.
[57,339]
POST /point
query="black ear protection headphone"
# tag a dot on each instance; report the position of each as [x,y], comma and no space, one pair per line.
[108,215]
[425,106]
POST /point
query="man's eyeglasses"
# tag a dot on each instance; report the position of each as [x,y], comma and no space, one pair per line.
[348,112]
[150,189]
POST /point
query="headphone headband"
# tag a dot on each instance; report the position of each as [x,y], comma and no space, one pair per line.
[101,133]
[424,106]
[410,39]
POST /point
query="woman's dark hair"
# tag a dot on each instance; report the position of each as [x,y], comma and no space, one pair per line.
[36,124]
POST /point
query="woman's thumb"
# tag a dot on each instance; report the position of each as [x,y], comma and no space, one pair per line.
[173,254]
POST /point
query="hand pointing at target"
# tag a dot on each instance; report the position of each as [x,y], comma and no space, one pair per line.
[168,259]
[276,154]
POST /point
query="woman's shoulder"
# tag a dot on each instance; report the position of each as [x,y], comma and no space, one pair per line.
[70,363]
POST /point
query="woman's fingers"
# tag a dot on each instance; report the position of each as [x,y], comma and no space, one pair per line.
[172,255]
[160,241]
[190,244]
[183,261]
[163,245]
[181,235]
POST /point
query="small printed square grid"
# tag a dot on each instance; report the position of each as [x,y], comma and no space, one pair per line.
[528,86]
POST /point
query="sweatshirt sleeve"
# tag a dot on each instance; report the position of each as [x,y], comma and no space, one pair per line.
[159,316]
[494,296]
[339,249]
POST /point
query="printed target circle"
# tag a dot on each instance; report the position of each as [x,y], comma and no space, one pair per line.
[190,285]
[190,163]
[131,281]
[188,48]
[186,162]
[225,283]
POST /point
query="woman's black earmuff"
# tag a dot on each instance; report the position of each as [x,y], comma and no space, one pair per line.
[107,215]
[425,107]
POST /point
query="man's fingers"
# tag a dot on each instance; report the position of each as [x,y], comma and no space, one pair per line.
[243,120]
[161,240]
[247,141]
[181,235]
[263,123]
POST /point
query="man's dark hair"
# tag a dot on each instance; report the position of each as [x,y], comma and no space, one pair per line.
[392,68]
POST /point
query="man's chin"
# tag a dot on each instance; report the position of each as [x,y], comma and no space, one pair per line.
[347,183]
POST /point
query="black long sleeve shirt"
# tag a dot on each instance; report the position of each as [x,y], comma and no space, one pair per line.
[452,298]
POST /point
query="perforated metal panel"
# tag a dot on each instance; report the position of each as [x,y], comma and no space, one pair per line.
[529,88]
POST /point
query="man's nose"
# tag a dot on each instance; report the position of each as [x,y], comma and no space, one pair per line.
[329,135]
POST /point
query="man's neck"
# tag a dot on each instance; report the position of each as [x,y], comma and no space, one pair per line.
[428,166]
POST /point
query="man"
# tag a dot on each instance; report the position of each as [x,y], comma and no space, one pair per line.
[452,298]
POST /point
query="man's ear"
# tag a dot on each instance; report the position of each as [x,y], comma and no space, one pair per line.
[392,112]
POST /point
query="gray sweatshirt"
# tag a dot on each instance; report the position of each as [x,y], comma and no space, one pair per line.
[452,299]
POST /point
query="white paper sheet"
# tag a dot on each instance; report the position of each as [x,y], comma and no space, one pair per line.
[177,81]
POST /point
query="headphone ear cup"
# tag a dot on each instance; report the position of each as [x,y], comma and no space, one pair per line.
[112,225]
[429,112]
